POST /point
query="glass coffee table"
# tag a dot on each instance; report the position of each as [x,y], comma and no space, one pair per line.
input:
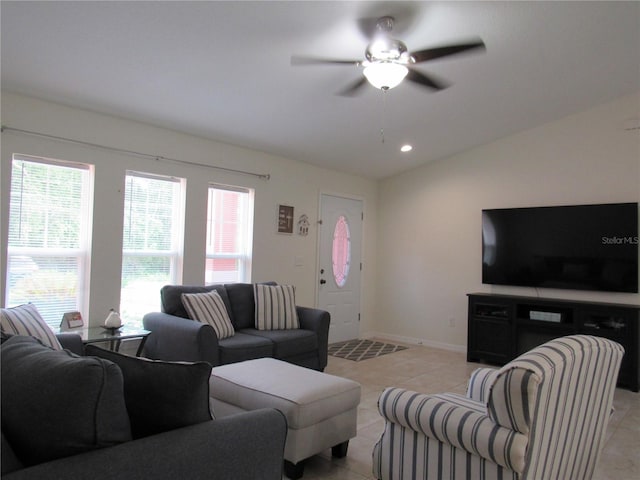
[112,336]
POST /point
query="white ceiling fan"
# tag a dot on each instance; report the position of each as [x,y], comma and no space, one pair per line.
[387,60]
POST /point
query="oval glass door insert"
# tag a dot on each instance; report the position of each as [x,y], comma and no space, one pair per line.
[341,252]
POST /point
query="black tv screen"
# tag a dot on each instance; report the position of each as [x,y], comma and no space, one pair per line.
[580,247]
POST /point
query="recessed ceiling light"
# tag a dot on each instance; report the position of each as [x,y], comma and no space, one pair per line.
[406,148]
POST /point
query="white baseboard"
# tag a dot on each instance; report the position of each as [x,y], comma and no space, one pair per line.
[415,341]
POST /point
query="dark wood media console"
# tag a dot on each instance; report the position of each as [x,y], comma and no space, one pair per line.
[501,327]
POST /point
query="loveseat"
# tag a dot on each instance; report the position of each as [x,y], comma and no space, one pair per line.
[110,416]
[176,337]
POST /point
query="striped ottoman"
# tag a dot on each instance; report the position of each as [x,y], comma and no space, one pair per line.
[321,409]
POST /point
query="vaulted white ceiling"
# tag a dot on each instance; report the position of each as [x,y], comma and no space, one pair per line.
[222,70]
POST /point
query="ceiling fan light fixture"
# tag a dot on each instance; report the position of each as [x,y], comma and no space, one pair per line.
[386,49]
[385,75]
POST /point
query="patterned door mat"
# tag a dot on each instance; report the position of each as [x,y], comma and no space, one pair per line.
[358,349]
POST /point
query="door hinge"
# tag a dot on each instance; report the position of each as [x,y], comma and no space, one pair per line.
[362,216]
[360,266]
[358,317]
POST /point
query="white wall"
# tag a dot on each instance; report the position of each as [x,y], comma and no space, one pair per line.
[292,183]
[429,237]
[422,242]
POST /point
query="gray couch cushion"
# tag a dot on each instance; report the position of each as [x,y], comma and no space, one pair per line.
[242,347]
[242,447]
[56,404]
[171,298]
[161,396]
[242,304]
[288,343]
[8,458]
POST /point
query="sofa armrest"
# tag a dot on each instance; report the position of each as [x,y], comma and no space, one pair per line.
[453,420]
[318,321]
[246,446]
[180,339]
[480,383]
[72,342]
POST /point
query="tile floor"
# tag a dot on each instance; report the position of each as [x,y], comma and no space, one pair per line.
[432,370]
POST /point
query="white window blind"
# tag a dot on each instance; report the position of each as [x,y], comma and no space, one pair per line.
[152,241]
[49,225]
[229,234]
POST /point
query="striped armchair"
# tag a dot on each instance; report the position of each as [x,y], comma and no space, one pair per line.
[542,416]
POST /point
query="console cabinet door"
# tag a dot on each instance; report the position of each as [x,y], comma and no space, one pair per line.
[619,325]
[489,332]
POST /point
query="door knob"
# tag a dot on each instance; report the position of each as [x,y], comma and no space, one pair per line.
[322,281]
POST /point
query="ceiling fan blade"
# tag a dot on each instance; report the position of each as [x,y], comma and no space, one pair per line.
[439,52]
[426,81]
[354,88]
[302,60]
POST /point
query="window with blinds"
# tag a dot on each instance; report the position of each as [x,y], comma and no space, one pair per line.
[49,231]
[229,234]
[152,241]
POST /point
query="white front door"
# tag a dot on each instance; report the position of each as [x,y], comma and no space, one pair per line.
[340,264]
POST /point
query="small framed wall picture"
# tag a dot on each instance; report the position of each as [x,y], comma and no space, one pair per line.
[285,219]
[72,320]
[303,225]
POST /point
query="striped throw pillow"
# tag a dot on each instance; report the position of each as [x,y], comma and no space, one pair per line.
[209,308]
[275,307]
[25,320]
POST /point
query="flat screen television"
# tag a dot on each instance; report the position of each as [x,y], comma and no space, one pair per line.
[580,247]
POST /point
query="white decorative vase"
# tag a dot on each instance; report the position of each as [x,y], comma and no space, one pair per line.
[113,320]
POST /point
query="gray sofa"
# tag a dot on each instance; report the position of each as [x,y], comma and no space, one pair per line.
[70,417]
[176,337]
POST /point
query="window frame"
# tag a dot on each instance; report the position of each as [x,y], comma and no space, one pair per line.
[176,252]
[244,256]
[82,253]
